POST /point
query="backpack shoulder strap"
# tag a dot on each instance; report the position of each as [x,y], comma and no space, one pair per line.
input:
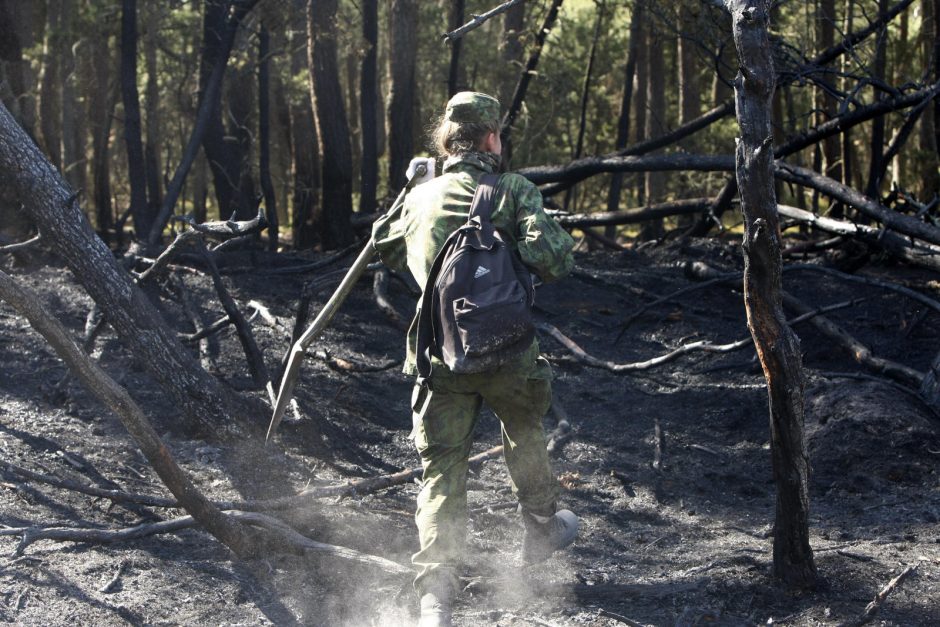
[484,199]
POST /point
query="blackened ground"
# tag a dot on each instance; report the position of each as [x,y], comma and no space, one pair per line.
[687,543]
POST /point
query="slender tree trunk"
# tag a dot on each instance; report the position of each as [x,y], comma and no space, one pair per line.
[50,96]
[777,346]
[152,128]
[927,138]
[453,74]
[73,155]
[136,171]
[333,221]
[518,95]
[623,120]
[873,188]
[17,23]
[585,94]
[305,158]
[689,96]
[103,99]
[264,132]
[655,126]
[368,108]
[403,16]
[223,156]
[241,107]
[641,95]
[207,405]
[511,51]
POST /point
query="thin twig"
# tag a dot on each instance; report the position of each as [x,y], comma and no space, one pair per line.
[872,608]
[12,248]
[479,20]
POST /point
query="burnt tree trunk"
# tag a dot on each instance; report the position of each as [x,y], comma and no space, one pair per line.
[403,16]
[777,346]
[207,405]
[230,532]
[518,96]
[332,223]
[264,133]
[585,96]
[101,110]
[655,182]
[875,169]
[136,172]
[305,156]
[623,121]
[210,81]
[368,108]
[453,72]
[152,130]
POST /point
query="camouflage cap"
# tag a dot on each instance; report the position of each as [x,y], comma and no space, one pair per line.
[472,107]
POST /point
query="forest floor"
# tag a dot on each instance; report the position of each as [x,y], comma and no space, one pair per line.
[684,543]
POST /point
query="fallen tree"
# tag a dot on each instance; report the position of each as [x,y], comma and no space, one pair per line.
[45,197]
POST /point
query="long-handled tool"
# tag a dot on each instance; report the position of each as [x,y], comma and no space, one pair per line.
[323,319]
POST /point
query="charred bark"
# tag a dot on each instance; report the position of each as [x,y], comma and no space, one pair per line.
[623,119]
[518,96]
[332,223]
[368,108]
[264,135]
[208,101]
[136,170]
[403,16]
[777,346]
[453,72]
[227,530]
[208,407]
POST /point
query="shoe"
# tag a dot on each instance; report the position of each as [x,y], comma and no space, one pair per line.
[436,610]
[546,534]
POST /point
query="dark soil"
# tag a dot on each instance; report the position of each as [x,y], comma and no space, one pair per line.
[688,543]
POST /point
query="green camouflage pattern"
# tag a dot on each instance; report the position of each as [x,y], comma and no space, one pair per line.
[434,210]
[444,418]
[470,107]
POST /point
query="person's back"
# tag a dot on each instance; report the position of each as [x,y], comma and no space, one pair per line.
[446,407]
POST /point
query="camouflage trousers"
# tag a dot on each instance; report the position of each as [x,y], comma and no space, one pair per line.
[445,413]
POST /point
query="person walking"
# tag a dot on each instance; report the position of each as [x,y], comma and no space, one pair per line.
[446,406]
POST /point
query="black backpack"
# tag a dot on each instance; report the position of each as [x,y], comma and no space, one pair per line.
[476,310]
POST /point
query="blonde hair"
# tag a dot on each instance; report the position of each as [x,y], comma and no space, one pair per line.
[452,138]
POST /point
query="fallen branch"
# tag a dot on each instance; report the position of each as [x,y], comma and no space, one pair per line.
[893,220]
[345,365]
[634,216]
[855,349]
[920,254]
[619,618]
[719,278]
[301,499]
[132,417]
[201,334]
[12,248]
[256,366]
[701,345]
[478,20]
[872,608]
[854,278]
[280,536]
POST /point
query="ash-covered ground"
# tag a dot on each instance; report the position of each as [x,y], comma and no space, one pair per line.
[686,541]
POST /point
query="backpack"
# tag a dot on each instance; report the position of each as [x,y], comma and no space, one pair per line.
[476,309]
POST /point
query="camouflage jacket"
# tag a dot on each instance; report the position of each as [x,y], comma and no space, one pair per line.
[434,210]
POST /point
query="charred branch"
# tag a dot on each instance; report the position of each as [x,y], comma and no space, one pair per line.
[478,20]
